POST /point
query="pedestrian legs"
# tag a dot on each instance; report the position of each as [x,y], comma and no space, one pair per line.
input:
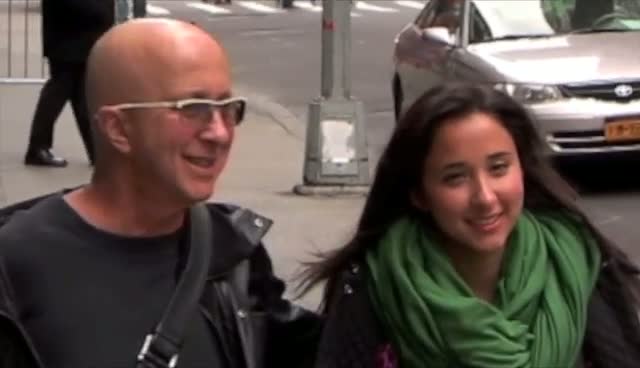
[53,96]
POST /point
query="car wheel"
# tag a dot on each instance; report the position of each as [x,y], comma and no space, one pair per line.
[396,90]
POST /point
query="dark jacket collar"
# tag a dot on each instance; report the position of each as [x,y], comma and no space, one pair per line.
[236,234]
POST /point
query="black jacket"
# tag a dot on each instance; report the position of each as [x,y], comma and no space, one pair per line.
[71,27]
[353,336]
[258,328]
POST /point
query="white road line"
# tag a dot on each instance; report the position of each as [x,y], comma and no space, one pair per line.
[157,10]
[209,8]
[258,7]
[307,6]
[362,5]
[316,8]
[411,4]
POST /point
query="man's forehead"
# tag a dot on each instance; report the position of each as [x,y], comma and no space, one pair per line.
[156,59]
[178,55]
[211,94]
[185,75]
[196,83]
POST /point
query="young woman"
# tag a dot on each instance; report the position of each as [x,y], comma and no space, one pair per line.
[472,252]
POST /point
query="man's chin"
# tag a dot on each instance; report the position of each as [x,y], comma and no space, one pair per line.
[204,196]
[199,193]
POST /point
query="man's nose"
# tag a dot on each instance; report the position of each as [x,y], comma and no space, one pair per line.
[218,129]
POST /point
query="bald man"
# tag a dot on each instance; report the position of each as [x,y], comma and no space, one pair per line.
[86,274]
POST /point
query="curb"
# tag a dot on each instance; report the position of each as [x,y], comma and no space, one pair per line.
[264,105]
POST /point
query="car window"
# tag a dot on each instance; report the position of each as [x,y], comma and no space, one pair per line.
[426,14]
[447,14]
[499,19]
[602,14]
[514,18]
[479,31]
[558,13]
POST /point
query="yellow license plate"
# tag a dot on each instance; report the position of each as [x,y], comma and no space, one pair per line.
[622,130]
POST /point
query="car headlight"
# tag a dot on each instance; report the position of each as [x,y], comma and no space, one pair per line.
[530,93]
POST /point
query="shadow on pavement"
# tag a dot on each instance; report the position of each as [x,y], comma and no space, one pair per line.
[603,175]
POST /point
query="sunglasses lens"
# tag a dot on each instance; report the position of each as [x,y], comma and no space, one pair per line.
[197,111]
[231,112]
[234,112]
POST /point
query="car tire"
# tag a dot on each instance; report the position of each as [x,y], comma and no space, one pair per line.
[396,91]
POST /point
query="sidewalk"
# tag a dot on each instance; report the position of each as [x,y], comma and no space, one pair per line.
[266,162]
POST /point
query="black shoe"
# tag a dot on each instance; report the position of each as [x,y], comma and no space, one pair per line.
[44,157]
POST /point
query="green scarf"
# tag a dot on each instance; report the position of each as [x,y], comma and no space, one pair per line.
[434,320]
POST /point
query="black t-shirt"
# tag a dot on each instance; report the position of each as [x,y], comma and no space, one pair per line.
[88,298]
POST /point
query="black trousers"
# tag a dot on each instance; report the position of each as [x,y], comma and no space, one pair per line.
[65,84]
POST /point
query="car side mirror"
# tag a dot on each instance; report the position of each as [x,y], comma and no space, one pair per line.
[438,34]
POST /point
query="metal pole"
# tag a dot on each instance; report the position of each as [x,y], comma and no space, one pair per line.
[123,10]
[329,63]
[336,46]
[26,39]
[336,154]
[346,49]
[128,9]
[139,8]
[10,38]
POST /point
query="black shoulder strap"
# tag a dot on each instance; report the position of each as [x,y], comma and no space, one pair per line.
[160,348]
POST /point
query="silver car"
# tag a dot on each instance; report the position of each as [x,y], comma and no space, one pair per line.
[575,64]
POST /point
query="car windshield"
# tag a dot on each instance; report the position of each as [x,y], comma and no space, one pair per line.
[499,19]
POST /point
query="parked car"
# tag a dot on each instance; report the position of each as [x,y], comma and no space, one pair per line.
[575,64]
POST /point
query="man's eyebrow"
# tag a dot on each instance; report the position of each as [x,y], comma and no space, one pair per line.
[224,95]
[207,95]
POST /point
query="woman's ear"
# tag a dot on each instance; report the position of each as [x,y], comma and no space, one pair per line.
[417,200]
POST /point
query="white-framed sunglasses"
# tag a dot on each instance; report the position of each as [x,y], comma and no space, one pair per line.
[197,109]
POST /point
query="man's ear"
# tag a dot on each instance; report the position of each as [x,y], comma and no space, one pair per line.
[113,126]
[417,200]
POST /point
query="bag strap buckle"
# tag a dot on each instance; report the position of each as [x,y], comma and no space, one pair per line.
[150,357]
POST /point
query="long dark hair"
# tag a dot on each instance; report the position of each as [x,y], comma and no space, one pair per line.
[400,170]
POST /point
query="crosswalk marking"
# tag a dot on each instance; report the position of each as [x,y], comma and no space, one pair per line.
[209,8]
[362,5]
[316,8]
[411,4]
[307,6]
[160,8]
[156,10]
[258,7]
